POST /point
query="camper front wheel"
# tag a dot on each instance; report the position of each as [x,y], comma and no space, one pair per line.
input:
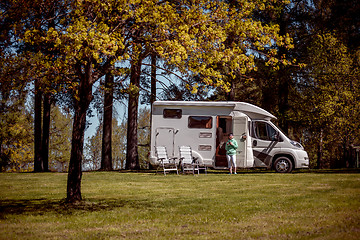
[283,165]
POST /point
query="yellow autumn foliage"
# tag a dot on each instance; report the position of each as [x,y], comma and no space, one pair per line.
[189,36]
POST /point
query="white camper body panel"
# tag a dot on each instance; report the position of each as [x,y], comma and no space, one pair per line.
[174,132]
[204,126]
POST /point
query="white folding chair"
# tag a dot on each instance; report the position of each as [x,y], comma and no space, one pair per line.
[188,162]
[201,166]
[167,164]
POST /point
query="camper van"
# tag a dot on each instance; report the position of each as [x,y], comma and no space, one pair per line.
[205,127]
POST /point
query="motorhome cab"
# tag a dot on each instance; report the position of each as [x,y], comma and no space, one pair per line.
[205,126]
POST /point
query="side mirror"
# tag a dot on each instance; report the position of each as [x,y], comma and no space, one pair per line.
[275,137]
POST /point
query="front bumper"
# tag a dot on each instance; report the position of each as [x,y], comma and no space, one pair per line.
[302,159]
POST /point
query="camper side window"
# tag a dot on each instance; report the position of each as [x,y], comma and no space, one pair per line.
[200,122]
[172,113]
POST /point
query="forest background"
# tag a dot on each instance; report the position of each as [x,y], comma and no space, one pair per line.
[63,61]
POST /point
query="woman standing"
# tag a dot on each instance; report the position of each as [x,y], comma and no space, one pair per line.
[230,147]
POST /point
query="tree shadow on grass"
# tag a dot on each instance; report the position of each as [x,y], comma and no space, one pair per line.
[41,206]
[295,171]
[330,171]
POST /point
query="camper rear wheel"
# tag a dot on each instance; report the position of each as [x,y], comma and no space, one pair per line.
[283,165]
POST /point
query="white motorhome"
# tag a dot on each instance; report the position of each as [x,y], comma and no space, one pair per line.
[205,126]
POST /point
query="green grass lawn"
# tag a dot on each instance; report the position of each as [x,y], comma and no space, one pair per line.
[250,205]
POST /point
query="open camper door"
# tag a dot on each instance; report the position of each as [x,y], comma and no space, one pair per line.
[240,129]
[223,129]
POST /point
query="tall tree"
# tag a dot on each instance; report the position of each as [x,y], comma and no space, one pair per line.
[132,155]
[38,163]
[106,154]
[88,45]
[144,136]
[46,132]
[153,78]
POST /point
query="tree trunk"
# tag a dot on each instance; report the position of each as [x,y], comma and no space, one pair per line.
[153,78]
[284,80]
[284,101]
[38,165]
[132,156]
[106,154]
[77,144]
[231,94]
[46,115]
[75,170]
[153,88]
[46,132]
[320,163]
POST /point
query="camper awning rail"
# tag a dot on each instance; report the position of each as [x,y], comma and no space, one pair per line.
[252,111]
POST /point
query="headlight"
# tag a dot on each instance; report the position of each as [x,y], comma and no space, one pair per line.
[296,144]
